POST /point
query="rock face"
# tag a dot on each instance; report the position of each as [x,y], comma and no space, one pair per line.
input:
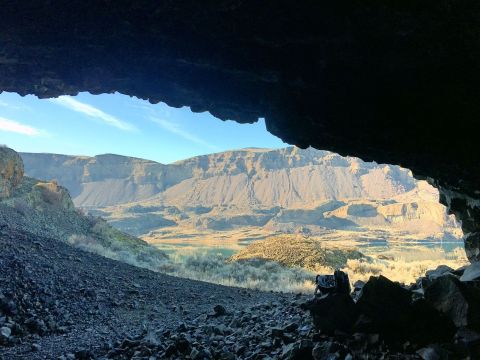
[288,178]
[11,171]
[51,194]
[394,82]
[287,190]
[46,209]
[101,180]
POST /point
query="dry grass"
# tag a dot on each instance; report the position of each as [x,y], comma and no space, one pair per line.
[405,265]
[254,274]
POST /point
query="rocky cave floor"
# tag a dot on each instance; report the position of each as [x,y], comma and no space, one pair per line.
[58,302]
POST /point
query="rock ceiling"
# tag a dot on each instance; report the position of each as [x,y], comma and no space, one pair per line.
[395,82]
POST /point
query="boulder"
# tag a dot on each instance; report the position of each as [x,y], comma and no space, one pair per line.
[388,305]
[472,245]
[332,312]
[329,351]
[459,301]
[11,171]
[300,350]
[219,310]
[468,342]
[427,325]
[433,353]
[358,285]
[471,272]
[51,194]
[439,271]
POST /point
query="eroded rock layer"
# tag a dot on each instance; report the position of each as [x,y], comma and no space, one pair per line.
[396,82]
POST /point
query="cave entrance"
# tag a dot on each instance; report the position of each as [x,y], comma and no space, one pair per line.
[231,203]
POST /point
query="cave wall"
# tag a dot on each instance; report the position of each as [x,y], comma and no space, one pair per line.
[396,82]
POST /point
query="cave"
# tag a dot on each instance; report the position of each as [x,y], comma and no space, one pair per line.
[394,82]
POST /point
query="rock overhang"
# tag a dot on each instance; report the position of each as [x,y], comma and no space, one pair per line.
[396,83]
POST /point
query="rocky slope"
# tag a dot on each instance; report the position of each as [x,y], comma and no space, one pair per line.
[46,209]
[59,302]
[284,190]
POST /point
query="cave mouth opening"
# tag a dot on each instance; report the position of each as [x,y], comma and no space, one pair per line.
[204,191]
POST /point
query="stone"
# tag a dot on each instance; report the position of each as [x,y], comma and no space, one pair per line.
[194,354]
[5,332]
[290,327]
[472,245]
[439,271]
[240,349]
[83,354]
[276,332]
[358,285]
[427,325]
[387,305]
[457,300]
[50,194]
[11,171]
[170,350]
[219,310]
[227,356]
[300,350]
[151,339]
[329,351]
[182,327]
[332,312]
[433,353]
[183,346]
[471,272]
[468,341]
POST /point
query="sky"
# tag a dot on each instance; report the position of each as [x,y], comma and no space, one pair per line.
[118,124]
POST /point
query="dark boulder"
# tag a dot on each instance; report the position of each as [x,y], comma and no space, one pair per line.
[183,346]
[300,350]
[428,325]
[388,305]
[332,312]
[219,310]
[468,343]
[329,351]
[459,301]
[433,353]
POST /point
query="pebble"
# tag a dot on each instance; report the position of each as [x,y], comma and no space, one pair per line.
[5,332]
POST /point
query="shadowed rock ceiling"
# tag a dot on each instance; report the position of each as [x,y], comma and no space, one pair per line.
[396,82]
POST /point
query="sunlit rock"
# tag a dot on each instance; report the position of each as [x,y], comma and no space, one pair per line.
[11,171]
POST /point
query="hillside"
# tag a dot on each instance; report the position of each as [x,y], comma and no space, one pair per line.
[46,209]
[288,177]
[285,190]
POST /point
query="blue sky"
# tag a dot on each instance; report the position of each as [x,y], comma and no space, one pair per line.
[114,123]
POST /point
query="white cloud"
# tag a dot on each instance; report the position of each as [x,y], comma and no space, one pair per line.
[176,129]
[12,106]
[93,112]
[16,127]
